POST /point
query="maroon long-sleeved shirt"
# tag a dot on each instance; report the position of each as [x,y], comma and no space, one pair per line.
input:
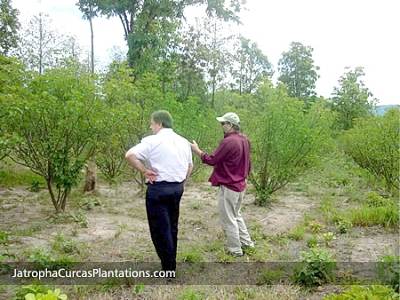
[231,161]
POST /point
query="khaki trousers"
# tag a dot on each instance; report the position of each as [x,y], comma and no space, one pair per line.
[231,220]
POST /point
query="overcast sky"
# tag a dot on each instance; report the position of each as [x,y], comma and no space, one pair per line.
[342,32]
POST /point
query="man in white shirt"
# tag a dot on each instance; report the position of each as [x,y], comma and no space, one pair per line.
[168,158]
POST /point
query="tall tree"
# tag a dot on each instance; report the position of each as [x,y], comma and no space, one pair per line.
[216,54]
[42,47]
[352,99]
[89,12]
[250,66]
[195,61]
[190,62]
[9,26]
[88,9]
[148,24]
[298,72]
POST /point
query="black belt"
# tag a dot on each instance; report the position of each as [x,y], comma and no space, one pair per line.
[164,182]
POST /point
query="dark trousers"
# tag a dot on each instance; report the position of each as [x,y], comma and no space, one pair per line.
[162,206]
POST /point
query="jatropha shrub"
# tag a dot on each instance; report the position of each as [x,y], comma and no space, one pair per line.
[374,143]
[317,267]
[54,122]
[286,141]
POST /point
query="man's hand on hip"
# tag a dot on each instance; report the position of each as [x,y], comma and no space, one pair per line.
[150,175]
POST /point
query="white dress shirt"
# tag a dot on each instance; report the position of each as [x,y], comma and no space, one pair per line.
[166,153]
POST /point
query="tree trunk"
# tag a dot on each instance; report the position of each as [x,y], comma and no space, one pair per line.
[40,44]
[213,93]
[91,44]
[90,180]
[53,199]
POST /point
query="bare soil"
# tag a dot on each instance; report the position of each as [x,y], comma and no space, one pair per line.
[111,225]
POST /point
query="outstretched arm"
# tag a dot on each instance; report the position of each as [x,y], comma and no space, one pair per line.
[196,149]
[213,159]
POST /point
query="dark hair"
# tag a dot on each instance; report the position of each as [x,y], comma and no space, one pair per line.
[236,127]
[162,117]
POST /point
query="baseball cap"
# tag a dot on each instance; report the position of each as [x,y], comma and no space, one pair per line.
[230,117]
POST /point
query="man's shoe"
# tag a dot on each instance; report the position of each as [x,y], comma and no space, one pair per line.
[248,249]
[235,254]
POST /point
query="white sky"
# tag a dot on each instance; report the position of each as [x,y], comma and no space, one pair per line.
[342,33]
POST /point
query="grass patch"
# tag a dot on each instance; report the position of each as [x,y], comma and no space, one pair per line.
[224,257]
[121,229]
[312,242]
[342,224]
[214,246]
[33,228]
[262,252]
[386,216]
[315,226]
[389,271]
[4,237]
[270,277]
[364,292]
[196,205]
[191,294]
[244,293]
[191,255]
[65,245]
[200,174]
[257,232]
[297,233]
[12,175]
[78,217]
[43,259]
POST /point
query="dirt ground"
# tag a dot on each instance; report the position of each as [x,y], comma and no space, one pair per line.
[111,225]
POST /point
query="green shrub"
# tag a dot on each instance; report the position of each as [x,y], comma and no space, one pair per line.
[39,292]
[389,271]
[191,294]
[4,237]
[285,140]
[12,81]
[373,143]
[64,245]
[378,292]
[342,225]
[119,132]
[315,226]
[138,289]
[328,237]
[35,186]
[124,122]
[196,122]
[312,242]
[297,233]
[316,268]
[376,200]
[43,259]
[55,124]
[29,289]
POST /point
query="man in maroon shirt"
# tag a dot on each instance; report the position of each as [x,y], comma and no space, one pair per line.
[231,162]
